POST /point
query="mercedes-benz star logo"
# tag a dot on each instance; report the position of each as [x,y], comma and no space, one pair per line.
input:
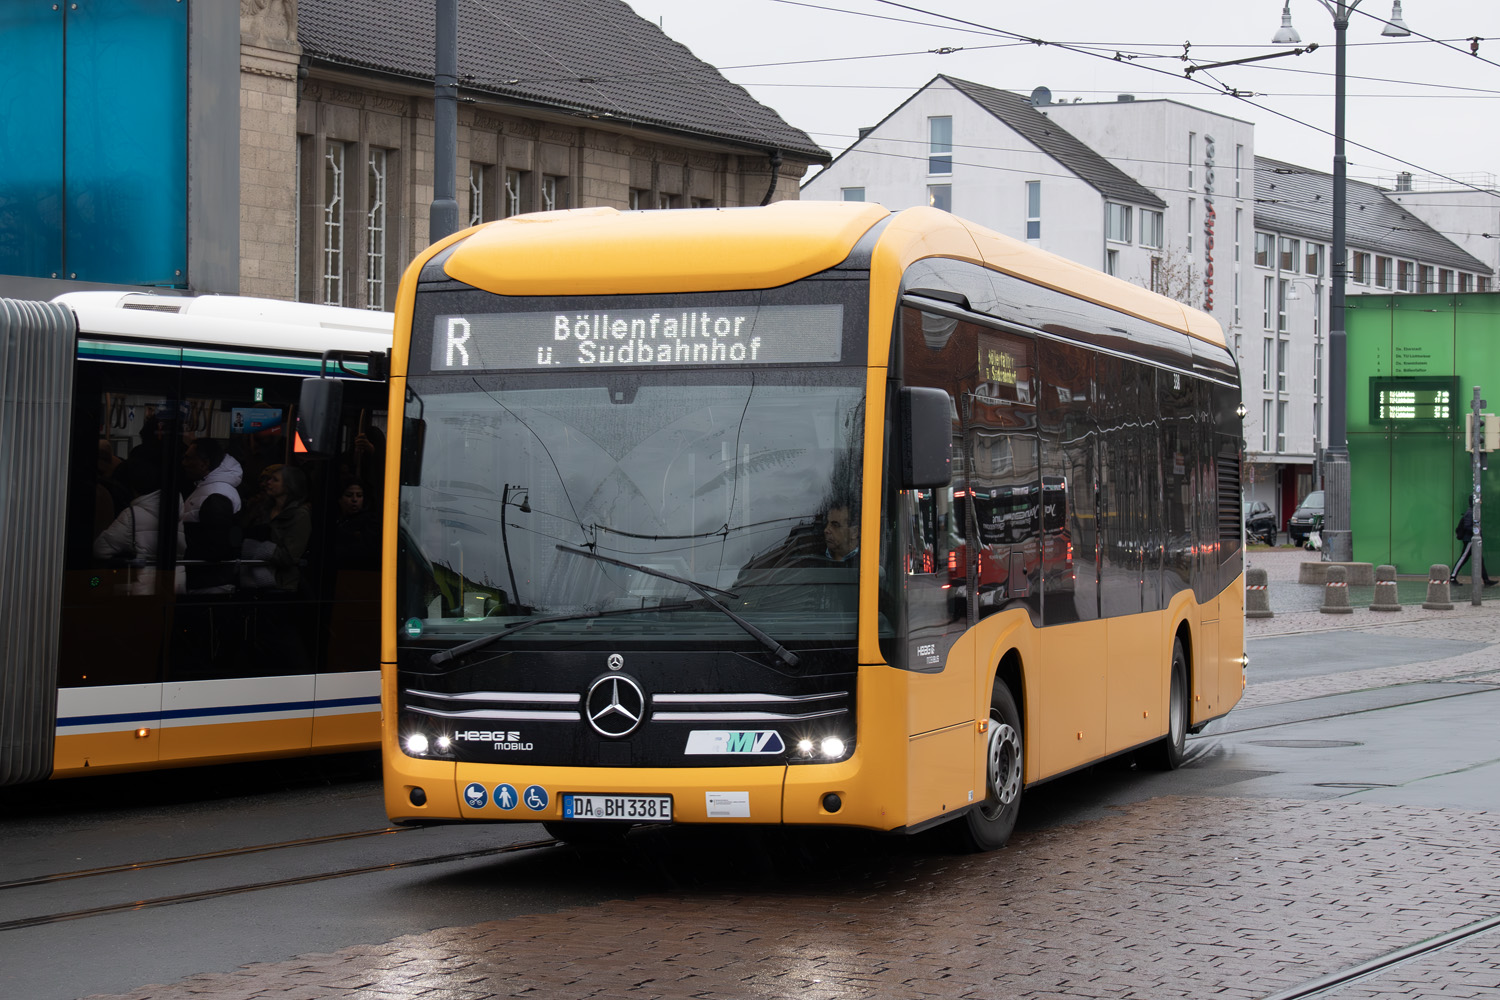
[616,661]
[615,705]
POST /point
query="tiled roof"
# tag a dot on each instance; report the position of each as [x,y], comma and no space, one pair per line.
[594,58]
[1058,143]
[1298,201]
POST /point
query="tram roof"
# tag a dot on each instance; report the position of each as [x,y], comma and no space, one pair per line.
[719,249]
[230,321]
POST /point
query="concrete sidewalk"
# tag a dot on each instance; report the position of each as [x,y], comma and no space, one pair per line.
[1294,607]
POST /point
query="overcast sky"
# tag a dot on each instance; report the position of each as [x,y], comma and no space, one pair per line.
[1409,99]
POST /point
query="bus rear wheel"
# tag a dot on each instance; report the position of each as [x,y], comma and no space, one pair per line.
[988,825]
[1169,753]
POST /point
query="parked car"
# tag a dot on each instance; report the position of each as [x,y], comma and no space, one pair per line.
[1307,518]
[1260,522]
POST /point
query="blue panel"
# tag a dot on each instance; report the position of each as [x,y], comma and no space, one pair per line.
[127,141]
[31,139]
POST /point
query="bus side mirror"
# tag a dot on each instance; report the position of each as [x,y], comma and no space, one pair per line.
[318,408]
[926,438]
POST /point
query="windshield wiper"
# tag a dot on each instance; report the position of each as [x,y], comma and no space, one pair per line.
[443,656]
[783,654]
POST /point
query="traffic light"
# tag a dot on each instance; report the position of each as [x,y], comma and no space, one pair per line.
[1489,432]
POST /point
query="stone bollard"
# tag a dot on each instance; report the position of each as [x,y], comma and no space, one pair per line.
[1386,598]
[1257,598]
[1336,592]
[1439,598]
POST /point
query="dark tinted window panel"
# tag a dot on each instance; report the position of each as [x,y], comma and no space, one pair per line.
[1068,437]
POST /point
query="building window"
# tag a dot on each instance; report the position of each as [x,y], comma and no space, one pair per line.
[666,201]
[1281,350]
[1317,372]
[1117,222]
[1192,216]
[333,223]
[1033,210]
[517,184]
[1403,276]
[1281,426]
[1267,363]
[1267,291]
[375,229]
[1264,243]
[1235,284]
[701,202]
[1192,156]
[1239,217]
[1289,248]
[554,193]
[1151,229]
[1265,425]
[1239,162]
[481,193]
[1314,260]
[640,198]
[940,196]
[1382,272]
[1482,283]
[853,194]
[1281,289]
[1424,278]
[1361,273]
[940,145]
[1112,262]
[1465,282]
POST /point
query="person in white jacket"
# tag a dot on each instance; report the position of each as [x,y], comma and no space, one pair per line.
[135,534]
[214,474]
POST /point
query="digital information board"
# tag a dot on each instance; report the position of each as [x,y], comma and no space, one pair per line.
[639,338]
[1428,401]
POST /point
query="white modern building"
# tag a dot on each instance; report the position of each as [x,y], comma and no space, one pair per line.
[1464,208]
[990,156]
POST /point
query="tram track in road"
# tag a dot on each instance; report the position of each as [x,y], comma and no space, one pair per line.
[1329,985]
[228,852]
[214,893]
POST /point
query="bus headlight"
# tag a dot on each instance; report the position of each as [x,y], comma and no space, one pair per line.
[417,745]
[832,747]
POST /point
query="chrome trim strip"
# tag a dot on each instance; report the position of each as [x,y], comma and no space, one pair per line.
[744,716]
[544,697]
[500,714]
[740,699]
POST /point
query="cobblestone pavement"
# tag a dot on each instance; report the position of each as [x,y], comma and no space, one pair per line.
[1174,897]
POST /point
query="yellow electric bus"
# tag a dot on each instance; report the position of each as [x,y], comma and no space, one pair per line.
[809,514]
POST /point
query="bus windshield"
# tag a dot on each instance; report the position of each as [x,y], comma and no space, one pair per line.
[742,483]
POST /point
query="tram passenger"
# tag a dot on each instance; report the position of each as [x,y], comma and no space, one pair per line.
[135,534]
[277,534]
[212,472]
[357,531]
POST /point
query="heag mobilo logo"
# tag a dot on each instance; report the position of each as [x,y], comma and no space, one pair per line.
[502,739]
[716,741]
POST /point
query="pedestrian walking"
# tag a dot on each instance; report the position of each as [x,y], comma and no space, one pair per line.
[1464,532]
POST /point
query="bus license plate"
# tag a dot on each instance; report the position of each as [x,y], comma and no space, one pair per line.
[631,808]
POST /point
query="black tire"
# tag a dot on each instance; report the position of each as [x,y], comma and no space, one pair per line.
[1169,753]
[586,834]
[990,823]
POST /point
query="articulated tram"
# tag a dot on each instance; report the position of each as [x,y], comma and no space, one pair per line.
[158,606]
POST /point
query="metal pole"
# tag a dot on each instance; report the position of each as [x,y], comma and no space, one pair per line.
[1477,571]
[443,218]
[1337,542]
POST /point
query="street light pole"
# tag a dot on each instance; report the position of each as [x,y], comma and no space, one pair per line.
[1337,534]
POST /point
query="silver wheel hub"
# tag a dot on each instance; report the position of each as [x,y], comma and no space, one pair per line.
[1004,763]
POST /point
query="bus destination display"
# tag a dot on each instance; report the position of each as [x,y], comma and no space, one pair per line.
[639,338]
